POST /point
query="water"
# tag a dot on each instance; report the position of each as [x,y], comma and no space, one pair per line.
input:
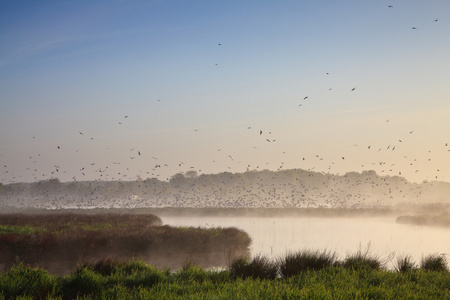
[276,236]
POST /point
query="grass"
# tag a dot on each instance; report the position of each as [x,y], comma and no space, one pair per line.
[260,267]
[364,259]
[112,279]
[295,263]
[404,264]
[434,262]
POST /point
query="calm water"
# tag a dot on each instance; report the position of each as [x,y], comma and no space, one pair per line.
[276,236]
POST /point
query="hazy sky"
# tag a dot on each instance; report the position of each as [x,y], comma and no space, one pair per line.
[190,84]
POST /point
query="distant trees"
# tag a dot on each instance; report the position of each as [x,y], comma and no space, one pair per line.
[47,185]
[191,174]
[177,179]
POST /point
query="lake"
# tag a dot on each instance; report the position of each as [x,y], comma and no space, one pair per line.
[276,236]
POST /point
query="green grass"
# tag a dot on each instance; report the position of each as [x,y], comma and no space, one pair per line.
[136,280]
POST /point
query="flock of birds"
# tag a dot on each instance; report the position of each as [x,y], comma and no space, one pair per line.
[317,189]
[254,189]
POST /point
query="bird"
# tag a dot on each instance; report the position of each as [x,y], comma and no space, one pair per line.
[260,132]
[436,20]
[414,28]
[391,6]
[305,98]
[353,89]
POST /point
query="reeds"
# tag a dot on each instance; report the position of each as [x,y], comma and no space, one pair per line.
[58,242]
[294,263]
[259,267]
[404,264]
[434,262]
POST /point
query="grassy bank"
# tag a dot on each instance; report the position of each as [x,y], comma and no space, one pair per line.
[110,279]
[58,242]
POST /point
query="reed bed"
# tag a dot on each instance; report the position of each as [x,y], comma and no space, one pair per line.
[59,242]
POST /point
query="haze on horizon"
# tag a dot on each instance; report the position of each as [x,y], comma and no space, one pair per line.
[120,90]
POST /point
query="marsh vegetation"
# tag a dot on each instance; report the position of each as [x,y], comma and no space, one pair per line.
[245,278]
[57,242]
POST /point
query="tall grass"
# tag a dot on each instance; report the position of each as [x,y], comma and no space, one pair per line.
[365,259]
[294,263]
[404,264]
[136,280]
[260,267]
[434,262]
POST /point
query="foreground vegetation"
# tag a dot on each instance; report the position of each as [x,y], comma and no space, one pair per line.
[57,242]
[318,275]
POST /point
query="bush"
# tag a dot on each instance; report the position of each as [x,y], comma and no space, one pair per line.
[434,262]
[294,263]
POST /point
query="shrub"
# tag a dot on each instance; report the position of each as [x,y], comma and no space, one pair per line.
[294,263]
[404,264]
[434,262]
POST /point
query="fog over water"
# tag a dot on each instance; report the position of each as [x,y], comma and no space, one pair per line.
[277,236]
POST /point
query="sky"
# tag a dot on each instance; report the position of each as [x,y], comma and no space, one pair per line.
[122,90]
